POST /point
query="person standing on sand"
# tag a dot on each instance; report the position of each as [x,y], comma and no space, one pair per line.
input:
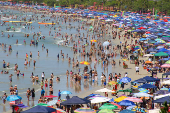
[137,69]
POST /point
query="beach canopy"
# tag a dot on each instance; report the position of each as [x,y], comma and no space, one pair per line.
[141,80]
[147,86]
[161,54]
[127,111]
[75,100]
[162,100]
[126,103]
[168,73]
[150,79]
[162,92]
[40,109]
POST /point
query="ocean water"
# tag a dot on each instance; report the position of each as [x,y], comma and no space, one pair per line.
[45,63]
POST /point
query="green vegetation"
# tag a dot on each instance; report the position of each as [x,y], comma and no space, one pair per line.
[126,5]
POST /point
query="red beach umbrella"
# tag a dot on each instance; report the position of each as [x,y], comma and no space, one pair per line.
[50,96]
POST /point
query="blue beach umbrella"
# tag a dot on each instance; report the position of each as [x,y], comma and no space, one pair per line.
[66,92]
[127,111]
[13,98]
[125,79]
[126,103]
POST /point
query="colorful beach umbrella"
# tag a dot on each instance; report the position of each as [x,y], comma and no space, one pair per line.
[167,62]
[108,106]
[112,83]
[116,105]
[13,98]
[126,103]
[141,95]
[165,65]
[50,96]
[148,62]
[42,104]
[120,99]
[127,111]
[125,79]
[66,92]
[85,63]
[126,90]
[106,111]
[133,99]
[161,54]
[84,110]
[93,40]
[53,102]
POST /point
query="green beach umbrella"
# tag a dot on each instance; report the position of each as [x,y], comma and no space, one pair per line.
[165,36]
[42,104]
[167,62]
[106,111]
[108,106]
[161,54]
[126,90]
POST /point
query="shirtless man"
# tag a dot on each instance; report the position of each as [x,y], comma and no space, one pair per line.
[37,79]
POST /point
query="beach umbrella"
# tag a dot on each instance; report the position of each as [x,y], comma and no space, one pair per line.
[42,104]
[133,99]
[168,73]
[104,90]
[111,100]
[148,55]
[58,110]
[127,111]
[91,95]
[13,98]
[99,100]
[50,96]
[108,106]
[162,92]
[167,62]
[112,83]
[125,79]
[106,111]
[116,105]
[141,95]
[39,109]
[85,63]
[164,89]
[147,86]
[106,43]
[150,79]
[126,103]
[120,99]
[165,65]
[161,54]
[141,80]
[93,40]
[167,82]
[126,90]
[143,90]
[66,92]
[84,110]
[53,102]
[148,62]
[130,107]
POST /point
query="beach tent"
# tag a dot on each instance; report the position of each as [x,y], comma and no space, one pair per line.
[162,92]
[40,109]
[162,100]
[150,79]
[75,100]
[147,86]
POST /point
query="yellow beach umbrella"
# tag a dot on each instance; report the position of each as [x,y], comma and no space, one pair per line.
[93,40]
[112,83]
[85,63]
[125,59]
[120,99]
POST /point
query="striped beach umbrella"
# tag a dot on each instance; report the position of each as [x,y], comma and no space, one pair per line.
[84,110]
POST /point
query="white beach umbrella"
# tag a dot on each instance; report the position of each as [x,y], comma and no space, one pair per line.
[53,102]
[106,43]
[99,100]
[167,82]
[141,95]
[148,55]
[104,90]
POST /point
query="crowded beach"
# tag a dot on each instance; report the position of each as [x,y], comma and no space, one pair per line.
[123,55]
